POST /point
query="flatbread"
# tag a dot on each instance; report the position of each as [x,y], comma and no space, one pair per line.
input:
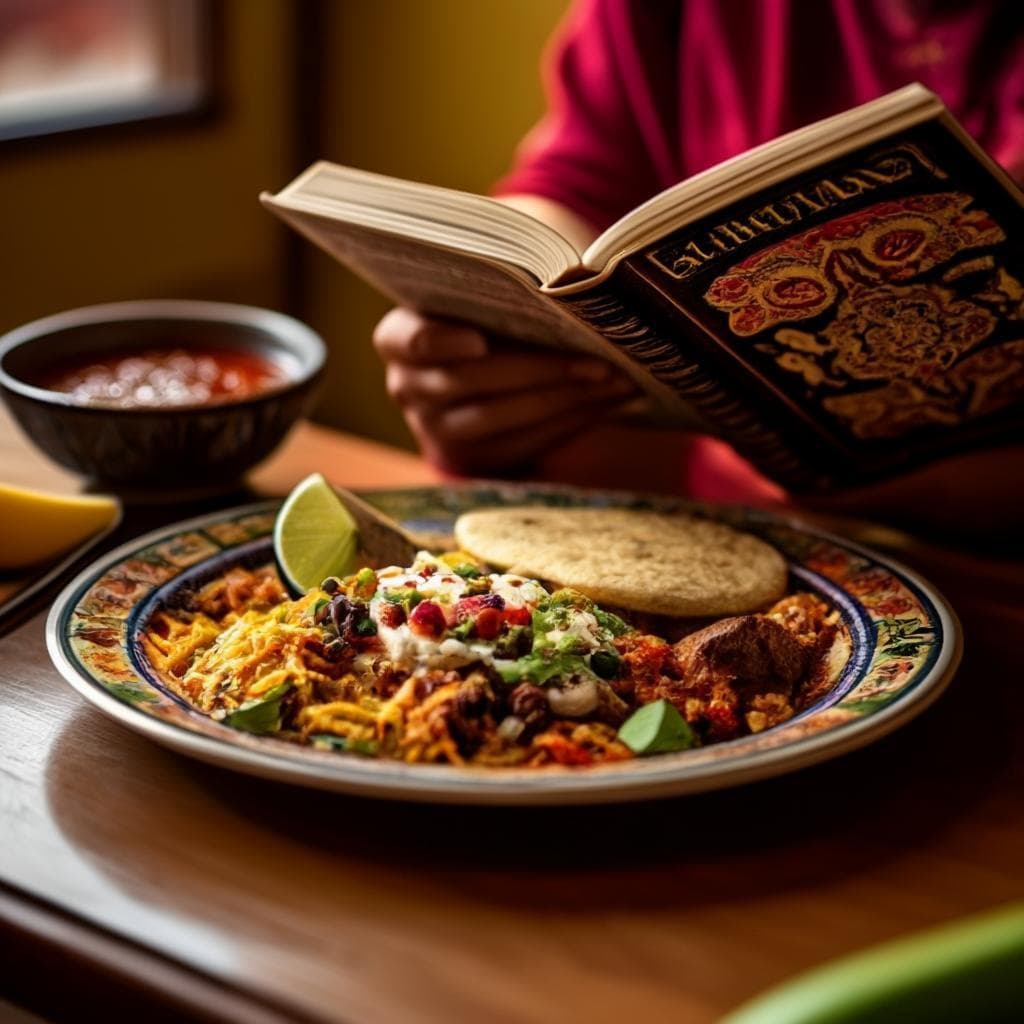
[665,564]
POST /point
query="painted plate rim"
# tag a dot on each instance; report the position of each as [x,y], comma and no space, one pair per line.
[643,778]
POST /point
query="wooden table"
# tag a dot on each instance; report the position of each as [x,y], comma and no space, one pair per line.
[137,879]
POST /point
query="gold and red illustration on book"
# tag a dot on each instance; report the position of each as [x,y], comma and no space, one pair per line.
[899,319]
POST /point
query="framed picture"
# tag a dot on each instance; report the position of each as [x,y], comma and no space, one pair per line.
[72,64]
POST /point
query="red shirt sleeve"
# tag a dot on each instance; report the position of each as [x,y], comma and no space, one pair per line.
[588,152]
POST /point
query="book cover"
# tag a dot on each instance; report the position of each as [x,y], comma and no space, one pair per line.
[861,318]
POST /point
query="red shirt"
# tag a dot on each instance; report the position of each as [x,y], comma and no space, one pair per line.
[645,94]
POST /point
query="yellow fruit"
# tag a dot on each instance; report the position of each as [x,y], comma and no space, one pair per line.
[36,526]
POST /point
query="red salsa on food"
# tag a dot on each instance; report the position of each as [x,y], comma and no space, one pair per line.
[164,377]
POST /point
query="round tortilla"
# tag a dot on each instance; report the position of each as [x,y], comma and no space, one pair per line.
[666,564]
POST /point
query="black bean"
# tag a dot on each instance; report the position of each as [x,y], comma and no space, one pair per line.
[472,700]
[341,612]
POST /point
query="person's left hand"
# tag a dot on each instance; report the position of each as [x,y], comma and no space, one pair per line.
[478,405]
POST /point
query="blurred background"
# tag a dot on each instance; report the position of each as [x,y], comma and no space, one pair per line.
[137,134]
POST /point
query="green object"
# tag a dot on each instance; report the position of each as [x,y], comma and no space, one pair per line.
[315,536]
[542,667]
[572,598]
[969,971]
[369,748]
[570,644]
[365,584]
[605,664]
[408,597]
[467,571]
[261,714]
[464,630]
[366,627]
[509,644]
[656,728]
[611,622]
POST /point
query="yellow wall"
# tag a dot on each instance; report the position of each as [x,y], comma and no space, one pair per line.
[161,209]
[436,91]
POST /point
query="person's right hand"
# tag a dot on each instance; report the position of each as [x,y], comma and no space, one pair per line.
[477,405]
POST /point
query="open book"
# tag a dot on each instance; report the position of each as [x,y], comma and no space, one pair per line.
[840,303]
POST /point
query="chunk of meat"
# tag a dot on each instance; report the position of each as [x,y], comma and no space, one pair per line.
[725,673]
[754,652]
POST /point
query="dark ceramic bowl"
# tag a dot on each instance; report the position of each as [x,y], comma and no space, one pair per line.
[174,448]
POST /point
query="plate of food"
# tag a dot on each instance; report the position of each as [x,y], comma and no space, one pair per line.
[546,646]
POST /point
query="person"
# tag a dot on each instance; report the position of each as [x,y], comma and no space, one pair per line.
[642,95]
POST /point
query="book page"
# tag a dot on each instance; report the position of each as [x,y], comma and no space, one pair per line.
[433,279]
[460,220]
[759,168]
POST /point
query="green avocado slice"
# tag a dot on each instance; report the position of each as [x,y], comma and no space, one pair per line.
[656,728]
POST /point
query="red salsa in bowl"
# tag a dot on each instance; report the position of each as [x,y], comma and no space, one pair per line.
[163,377]
[160,396]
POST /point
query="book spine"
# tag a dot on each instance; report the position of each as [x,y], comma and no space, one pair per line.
[729,414]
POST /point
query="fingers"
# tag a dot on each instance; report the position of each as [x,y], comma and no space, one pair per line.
[499,373]
[507,451]
[475,404]
[509,429]
[517,411]
[406,337]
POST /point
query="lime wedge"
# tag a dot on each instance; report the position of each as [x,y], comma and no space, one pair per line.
[314,536]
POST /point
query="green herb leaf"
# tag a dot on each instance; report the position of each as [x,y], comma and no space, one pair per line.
[513,643]
[261,714]
[656,728]
[370,748]
[464,630]
[541,668]
[570,644]
[467,571]
[611,622]
[572,598]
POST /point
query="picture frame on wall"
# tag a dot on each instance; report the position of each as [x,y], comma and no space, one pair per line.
[67,65]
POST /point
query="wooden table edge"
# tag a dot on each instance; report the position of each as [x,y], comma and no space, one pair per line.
[93,963]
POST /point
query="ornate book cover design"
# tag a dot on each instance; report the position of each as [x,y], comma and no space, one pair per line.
[866,317]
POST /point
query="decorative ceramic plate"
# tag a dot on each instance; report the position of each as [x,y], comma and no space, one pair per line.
[904,647]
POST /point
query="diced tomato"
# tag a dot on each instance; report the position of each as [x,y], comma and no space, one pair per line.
[469,607]
[488,623]
[391,615]
[518,616]
[566,752]
[724,725]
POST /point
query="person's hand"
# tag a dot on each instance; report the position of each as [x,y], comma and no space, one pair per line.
[476,405]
